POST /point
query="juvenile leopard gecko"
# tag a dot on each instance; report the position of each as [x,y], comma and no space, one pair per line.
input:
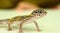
[23,19]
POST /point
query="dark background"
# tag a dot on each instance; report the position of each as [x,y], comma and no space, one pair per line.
[10,4]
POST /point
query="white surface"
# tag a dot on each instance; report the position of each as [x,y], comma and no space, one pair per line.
[48,24]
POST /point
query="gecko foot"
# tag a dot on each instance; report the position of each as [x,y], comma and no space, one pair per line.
[9,29]
[38,30]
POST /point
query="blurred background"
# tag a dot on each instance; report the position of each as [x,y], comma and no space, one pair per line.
[10,4]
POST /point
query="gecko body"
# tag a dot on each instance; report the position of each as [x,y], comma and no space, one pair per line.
[26,19]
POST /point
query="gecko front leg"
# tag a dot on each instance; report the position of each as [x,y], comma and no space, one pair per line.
[9,25]
[36,24]
[21,24]
[21,30]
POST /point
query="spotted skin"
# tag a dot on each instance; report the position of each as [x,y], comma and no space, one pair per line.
[29,18]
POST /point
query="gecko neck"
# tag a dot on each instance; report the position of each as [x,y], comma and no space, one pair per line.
[33,16]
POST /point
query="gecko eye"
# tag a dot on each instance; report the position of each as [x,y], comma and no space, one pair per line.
[35,12]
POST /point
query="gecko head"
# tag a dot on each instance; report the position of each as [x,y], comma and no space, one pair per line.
[39,13]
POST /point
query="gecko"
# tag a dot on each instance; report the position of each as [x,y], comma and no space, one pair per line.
[35,14]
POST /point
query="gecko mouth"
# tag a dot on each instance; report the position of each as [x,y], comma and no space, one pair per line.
[41,15]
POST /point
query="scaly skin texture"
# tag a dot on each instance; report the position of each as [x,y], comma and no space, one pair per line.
[38,13]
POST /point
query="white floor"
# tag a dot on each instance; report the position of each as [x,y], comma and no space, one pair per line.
[48,24]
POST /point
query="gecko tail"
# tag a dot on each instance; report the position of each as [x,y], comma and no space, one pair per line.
[2,22]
